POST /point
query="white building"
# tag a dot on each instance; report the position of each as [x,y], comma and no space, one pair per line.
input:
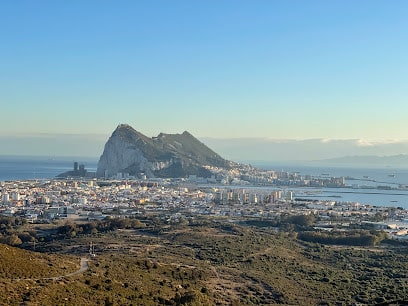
[5,197]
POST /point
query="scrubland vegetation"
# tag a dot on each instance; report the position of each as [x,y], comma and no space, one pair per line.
[201,262]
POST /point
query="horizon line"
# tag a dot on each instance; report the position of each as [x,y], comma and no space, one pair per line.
[266,138]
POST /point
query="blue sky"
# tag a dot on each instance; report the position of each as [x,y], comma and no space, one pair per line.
[219,69]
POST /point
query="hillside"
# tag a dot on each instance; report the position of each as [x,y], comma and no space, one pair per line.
[207,262]
[23,273]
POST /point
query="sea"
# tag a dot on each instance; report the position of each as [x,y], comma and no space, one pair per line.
[40,167]
[362,181]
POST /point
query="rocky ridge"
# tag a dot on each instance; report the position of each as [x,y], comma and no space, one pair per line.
[167,155]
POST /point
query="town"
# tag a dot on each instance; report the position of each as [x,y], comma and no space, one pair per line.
[239,194]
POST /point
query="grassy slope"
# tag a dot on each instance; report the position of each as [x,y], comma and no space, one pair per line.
[21,272]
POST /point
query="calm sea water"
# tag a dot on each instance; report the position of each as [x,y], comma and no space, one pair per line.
[22,168]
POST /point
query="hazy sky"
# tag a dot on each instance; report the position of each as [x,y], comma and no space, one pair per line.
[219,69]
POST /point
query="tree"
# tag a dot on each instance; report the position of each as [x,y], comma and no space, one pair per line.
[12,240]
[302,220]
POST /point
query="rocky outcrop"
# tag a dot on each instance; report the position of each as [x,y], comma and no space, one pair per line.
[167,155]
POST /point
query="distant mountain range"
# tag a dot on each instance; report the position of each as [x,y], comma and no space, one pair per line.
[290,150]
[167,155]
[392,160]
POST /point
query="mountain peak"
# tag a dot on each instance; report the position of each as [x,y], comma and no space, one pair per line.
[124,126]
[186,133]
[128,133]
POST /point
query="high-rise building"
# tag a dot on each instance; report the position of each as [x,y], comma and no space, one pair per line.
[5,198]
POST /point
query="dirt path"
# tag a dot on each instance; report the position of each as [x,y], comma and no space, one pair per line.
[82,268]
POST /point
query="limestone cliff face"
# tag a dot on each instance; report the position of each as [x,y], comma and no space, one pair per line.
[120,155]
[168,155]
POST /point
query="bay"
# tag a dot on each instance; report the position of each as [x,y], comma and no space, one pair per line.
[362,182]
